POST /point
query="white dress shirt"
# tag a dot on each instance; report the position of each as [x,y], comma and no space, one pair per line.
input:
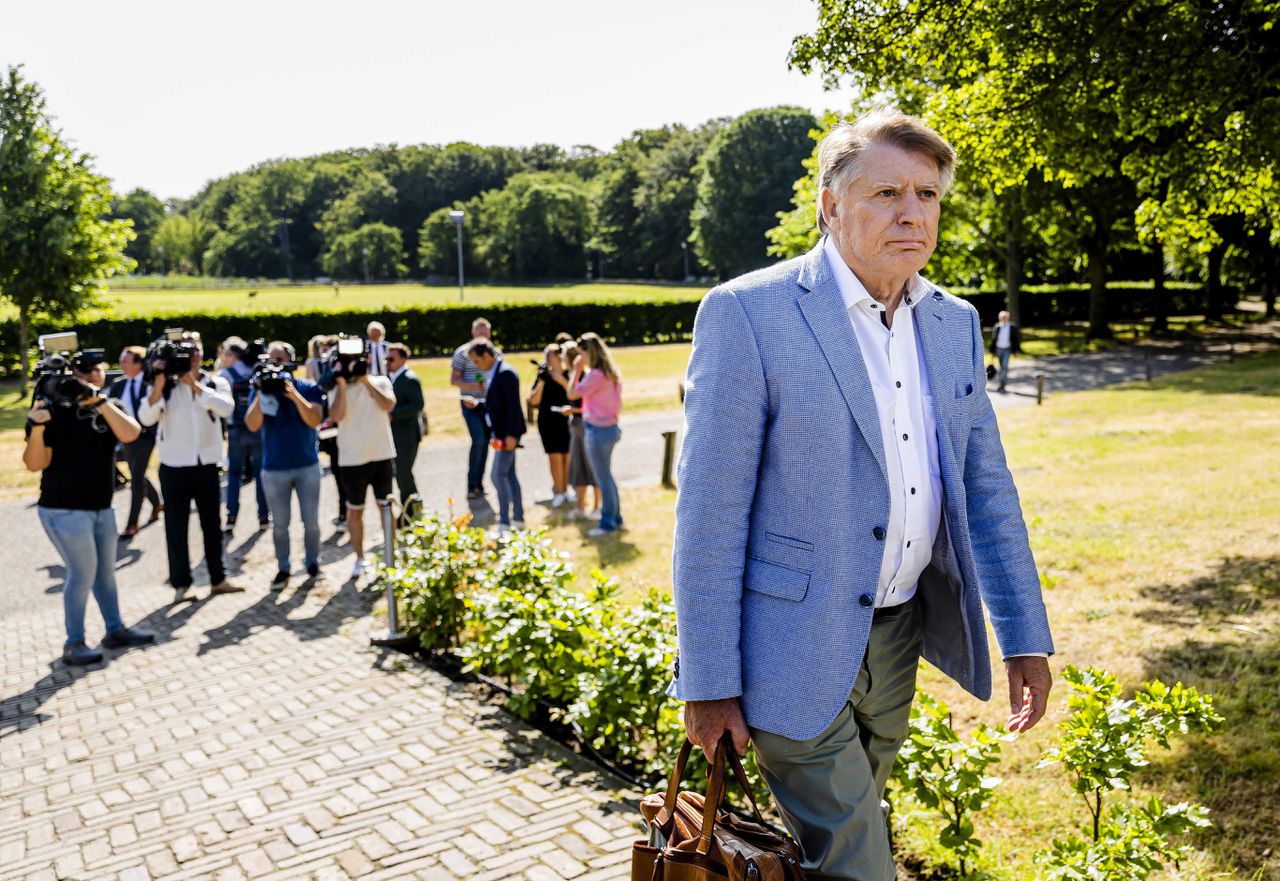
[1004,334]
[190,430]
[908,429]
[133,388]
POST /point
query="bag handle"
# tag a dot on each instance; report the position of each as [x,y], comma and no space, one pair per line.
[725,755]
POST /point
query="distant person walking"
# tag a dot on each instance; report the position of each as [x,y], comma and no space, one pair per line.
[130,390]
[505,411]
[406,418]
[1006,338]
[470,381]
[552,402]
[597,382]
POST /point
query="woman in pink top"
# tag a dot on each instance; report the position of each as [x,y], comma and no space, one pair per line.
[597,382]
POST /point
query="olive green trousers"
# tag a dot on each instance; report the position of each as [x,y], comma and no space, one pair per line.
[829,789]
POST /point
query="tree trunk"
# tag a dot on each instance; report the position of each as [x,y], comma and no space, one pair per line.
[1160,294]
[285,251]
[24,343]
[1214,293]
[1096,251]
[1013,265]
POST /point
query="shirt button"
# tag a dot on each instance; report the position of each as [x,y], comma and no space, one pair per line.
[898,384]
[866,600]
[913,490]
[908,544]
[904,436]
[878,533]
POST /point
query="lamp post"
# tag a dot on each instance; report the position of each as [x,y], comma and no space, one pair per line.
[684,246]
[365,253]
[456,217]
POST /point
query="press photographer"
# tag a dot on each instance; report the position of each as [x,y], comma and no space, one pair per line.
[129,390]
[361,405]
[286,412]
[244,447]
[72,432]
[187,404]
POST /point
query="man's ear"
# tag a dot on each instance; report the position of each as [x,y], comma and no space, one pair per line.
[828,204]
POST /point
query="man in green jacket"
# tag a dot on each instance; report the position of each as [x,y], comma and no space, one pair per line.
[406,417]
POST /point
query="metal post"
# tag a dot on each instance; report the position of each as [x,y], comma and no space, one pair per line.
[1231,350]
[1039,388]
[668,458]
[1146,364]
[684,246]
[460,280]
[393,635]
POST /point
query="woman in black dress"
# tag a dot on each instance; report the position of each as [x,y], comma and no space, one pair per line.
[553,421]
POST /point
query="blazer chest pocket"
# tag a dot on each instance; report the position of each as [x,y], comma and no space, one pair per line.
[964,389]
[768,578]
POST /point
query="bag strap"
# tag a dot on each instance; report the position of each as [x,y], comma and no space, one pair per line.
[725,755]
[673,786]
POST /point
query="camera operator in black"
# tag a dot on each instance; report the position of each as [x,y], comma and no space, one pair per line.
[130,390]
[244,447]
[188,408]
[73,445]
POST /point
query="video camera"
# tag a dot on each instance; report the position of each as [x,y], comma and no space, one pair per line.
[169,355]
[55,384]
[269,378]
[349,359]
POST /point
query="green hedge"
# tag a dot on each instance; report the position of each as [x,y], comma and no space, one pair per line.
[526,326]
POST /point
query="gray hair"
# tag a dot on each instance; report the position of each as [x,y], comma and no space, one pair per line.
[843,147]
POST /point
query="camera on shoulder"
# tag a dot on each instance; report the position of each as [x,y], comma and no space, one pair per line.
[170,355]
[348,359]
[270,378]
[55,383]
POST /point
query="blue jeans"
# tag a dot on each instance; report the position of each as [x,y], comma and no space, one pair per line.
[86,541]
[1002,355]
[600,443]
[479,432]
[280,486]
[241,444]
[510,504]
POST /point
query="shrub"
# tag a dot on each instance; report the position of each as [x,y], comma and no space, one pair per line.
[437,563]
[1104,742]
[949,775]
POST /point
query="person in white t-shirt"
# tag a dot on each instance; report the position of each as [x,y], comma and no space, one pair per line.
[361,406]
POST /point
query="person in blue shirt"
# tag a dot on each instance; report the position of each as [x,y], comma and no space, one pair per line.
[287,419]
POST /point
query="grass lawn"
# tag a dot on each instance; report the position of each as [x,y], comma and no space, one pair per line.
[247,300]
[1155,518]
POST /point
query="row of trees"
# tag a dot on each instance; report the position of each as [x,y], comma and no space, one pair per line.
[1095,137]
[531,213]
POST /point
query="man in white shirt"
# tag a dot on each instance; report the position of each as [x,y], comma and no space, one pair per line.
[131,389]
[361,405]
[187,411]
[1006,340]
[376,346]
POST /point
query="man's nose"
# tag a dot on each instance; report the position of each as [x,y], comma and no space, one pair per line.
[912,213]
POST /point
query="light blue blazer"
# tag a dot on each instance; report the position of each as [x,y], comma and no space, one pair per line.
[784,499]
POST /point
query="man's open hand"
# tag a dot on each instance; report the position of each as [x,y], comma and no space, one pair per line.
[706,721]
[1029,684]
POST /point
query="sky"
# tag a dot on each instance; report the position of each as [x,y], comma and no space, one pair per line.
[168,95]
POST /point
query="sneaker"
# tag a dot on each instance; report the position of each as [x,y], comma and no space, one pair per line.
[313,571]
[184,595]
[499,531]
[339,526]
[357,569]
[574,514]
[231,525]
[598,532]
[518,524]
[128,637]
[595,515]
[557,500]
[281,579]
[224,586]
[78,654]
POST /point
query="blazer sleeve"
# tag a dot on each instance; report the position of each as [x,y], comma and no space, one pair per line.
[1007,574]
[409,401]
[726,408]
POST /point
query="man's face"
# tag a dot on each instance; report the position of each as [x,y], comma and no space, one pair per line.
[375,334]
[885,224]
[480,331]
[96,376]
[484,362]
[129,365]
[278,355]
[394,361]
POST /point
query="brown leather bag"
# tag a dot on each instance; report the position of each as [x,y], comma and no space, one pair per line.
[693,839]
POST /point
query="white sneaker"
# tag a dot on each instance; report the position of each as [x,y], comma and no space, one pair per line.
[574,514]
[595,515]
[557,500]
[498,531]
[597,532]
[357,568]
[339,527]
[518,524]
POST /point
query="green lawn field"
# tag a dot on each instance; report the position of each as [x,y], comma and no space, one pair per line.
[132,302]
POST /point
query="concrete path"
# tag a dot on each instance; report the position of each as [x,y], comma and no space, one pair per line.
[263,738]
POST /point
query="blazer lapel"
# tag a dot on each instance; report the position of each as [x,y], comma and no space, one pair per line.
[939,361]
[823,309]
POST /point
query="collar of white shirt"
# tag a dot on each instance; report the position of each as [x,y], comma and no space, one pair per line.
[395,374]
[854,293]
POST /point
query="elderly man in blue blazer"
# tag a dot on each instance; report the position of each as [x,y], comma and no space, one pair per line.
[845,507]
